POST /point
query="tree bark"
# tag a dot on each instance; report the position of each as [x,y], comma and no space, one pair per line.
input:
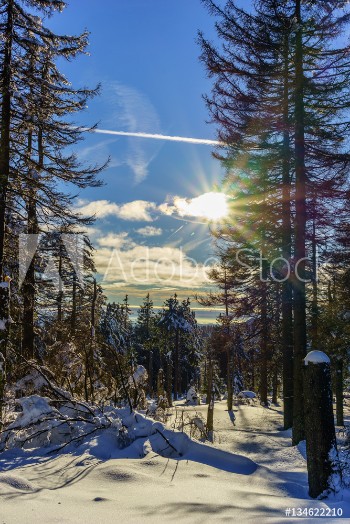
[4,180]
[92,338]
[339,388]
[29,286]
[230,359]
[211,400]
[60,292]
[287,289]
[150,372]
[275,385]
[264,335]
[169,380]
[300,338]
[73,319]
[229,380]
[176,364]
[5,132]
[160,383]
[314,302]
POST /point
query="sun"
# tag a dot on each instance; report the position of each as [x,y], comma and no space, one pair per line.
[212,206]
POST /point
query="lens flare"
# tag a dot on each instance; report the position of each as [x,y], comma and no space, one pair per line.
[211,206]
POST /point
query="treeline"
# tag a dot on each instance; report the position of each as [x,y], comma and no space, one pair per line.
[280,100]
[56,327]
[178,353]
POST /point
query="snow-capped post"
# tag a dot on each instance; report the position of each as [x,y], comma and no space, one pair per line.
[321,447]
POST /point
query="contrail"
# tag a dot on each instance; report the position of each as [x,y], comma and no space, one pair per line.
[187,140]
[172,234]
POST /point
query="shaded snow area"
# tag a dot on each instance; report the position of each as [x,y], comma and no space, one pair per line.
[136,470]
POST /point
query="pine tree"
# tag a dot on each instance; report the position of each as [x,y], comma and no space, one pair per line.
[145,333]
[180,343]
[36,100]
[279,98]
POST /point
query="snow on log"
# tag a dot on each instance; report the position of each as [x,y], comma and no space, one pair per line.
[246,394]
[33,408]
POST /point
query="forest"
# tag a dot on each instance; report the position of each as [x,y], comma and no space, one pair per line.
[76,365]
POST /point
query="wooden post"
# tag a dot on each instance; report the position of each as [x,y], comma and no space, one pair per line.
[321,445]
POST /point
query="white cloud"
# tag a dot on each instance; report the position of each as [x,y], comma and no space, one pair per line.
[137,210]
[149,231]
[115,240]
[132,110]
[208,206]
[100,208]
[122,261]
[97,153]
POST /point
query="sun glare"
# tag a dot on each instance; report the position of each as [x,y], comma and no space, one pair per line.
[212,206]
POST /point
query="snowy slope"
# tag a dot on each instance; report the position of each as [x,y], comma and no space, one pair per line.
[250,474]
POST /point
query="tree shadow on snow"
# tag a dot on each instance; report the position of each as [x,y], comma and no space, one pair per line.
[219,459]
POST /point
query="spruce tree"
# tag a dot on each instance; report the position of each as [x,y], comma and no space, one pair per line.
[36,100]
[280,97]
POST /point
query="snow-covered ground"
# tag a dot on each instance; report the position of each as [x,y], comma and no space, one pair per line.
[250,474]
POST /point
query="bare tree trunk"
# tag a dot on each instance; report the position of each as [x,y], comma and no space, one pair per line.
[60,291]
[300,235]
[29,286]
[211,400]
[160,383]
[169,380]
[287,289]
[176,364]
[264,337]
[229,380]
[229,345]
[73,319]
[5,132]
[92,340]
[5,124]
[314,303]
[339,388]
[275,385]
[253,371]
[150,373]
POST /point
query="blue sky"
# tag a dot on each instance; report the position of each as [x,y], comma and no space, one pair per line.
[145,55]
